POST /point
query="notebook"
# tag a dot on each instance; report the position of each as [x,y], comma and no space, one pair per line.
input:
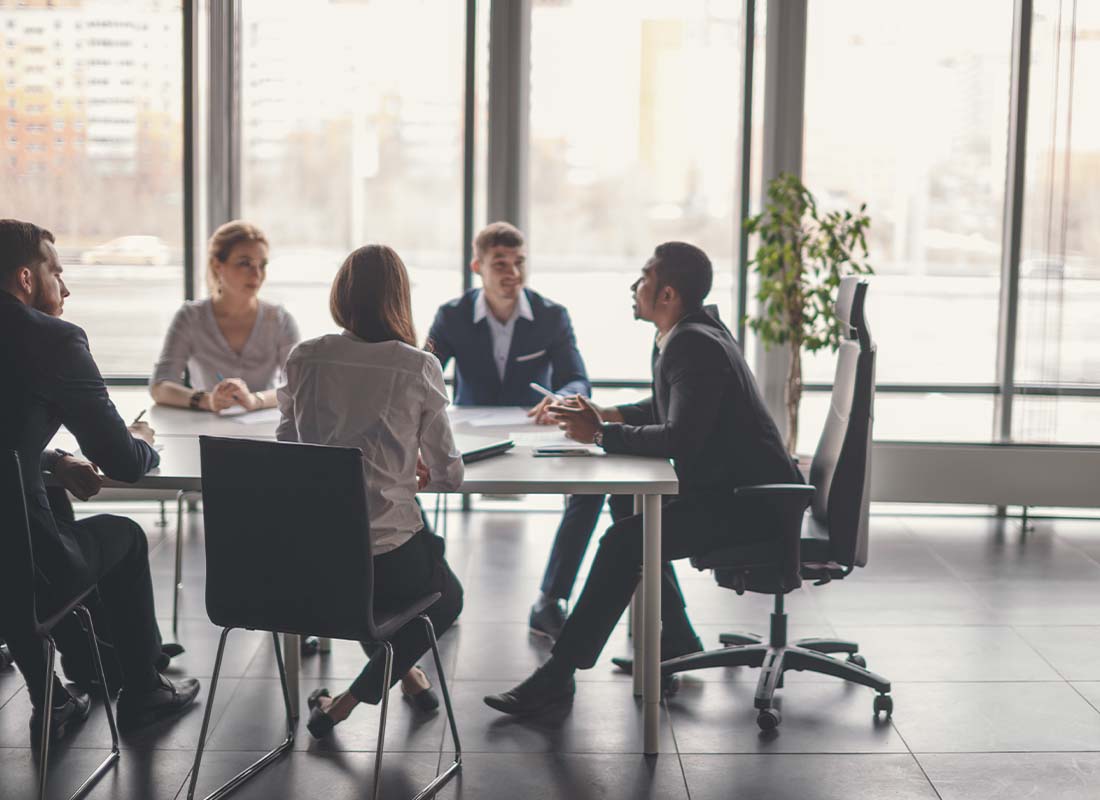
[487,451]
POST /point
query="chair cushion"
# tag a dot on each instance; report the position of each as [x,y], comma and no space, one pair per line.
[388,623]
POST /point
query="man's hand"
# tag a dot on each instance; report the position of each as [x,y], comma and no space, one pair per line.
[80,478]
[141,430]
[228,393]
[423,474]
[540,412]
[579,422]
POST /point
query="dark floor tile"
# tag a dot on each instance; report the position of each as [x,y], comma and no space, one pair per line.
[192,602]
[200,637]
[940,653]
[604,718]
[255,719]
[816,718]
[557,776]
[990,717]
[144,776]
[328,775]
[798,777]
[1073,650]
[993,776]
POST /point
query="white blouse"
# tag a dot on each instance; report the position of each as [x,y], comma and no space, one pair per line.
[389,400]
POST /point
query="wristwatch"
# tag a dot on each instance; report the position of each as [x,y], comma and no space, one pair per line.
[597,437]
[196,399]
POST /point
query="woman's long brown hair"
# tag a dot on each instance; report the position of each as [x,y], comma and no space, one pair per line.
[371,297]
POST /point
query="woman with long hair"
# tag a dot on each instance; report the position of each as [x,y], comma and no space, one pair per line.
[371,387]
[232,344]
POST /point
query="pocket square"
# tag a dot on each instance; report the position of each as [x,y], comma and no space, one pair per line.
[530,356]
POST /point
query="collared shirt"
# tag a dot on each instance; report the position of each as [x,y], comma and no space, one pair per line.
[195,342]
[501,332]
[389,400]
[660,339]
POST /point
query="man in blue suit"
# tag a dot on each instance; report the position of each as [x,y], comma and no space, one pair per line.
[503,337]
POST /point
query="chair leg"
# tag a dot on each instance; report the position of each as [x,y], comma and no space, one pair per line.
[828,645]
[771,676]
[432,788]
[47,718]
[800,658]
[86,623]
[176,586]
[387,677]
[255,767]
[734,639]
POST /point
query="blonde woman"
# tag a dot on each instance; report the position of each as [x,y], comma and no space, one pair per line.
[233,345]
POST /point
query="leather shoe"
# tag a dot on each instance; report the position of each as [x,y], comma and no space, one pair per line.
[547,621]
[167,700]
[71,711]
[543,690]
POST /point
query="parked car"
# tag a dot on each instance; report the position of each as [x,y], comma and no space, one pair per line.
[128,250]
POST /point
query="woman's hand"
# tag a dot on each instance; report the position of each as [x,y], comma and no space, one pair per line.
[229,392]
[423,474]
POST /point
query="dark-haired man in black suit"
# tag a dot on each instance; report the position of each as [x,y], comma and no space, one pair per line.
[706,414]
[51,380]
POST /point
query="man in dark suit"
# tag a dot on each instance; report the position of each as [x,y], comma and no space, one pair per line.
[52,380]
[706,414]
[504,337]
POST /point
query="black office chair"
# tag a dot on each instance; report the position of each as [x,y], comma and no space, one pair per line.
[19,612]
[288,551]
[824,545]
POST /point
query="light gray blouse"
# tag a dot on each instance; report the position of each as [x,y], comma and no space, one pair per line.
[195,342]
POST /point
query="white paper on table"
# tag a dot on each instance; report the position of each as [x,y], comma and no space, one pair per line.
[550,438]
[233,411]
[264,415]
[498,419]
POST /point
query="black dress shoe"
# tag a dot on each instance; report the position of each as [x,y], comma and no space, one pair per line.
[547,621]
[544,689]
[167,700]
[670,684]
[70,712]
[320,724]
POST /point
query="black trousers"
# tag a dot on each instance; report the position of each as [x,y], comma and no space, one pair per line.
[689,526]
[582,513]
[401,576]
[117,556]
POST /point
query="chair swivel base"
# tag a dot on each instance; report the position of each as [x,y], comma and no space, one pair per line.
[774,659]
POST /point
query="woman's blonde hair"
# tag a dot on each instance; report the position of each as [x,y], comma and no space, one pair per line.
[222,243]
[371,296]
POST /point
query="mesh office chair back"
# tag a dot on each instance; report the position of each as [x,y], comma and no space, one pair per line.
[838,520]
[287,538]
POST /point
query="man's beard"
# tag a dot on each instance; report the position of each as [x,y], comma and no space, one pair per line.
[40,301]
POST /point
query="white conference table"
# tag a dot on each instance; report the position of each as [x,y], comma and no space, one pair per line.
[515,472]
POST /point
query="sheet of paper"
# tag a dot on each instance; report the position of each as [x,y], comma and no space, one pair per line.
[264,415]
[232,411]
[544,438]
[498,419]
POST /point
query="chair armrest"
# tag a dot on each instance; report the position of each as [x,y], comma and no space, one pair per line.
[777,490]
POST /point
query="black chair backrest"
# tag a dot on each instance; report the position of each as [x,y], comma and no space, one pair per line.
[841,466]
[287,538]
[17,595]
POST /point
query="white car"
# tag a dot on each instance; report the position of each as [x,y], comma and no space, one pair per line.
[128,250]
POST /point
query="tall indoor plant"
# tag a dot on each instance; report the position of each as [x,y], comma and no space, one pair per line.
[801,257]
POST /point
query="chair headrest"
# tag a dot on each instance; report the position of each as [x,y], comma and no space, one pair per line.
[850,309]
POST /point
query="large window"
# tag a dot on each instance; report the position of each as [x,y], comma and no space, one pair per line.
[352,132]
[90,116]
[634,129]
[1060,264]
[906,110]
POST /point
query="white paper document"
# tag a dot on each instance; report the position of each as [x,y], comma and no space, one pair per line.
[261,417]
[497,419]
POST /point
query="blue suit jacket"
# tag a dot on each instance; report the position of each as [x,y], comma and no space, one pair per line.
[544,351]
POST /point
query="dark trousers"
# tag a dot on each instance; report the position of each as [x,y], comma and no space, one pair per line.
[688,527]
[582,514]
[117,556]
[401,576]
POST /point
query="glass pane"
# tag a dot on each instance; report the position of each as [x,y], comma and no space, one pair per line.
[640,150]
[906,110]
[1060,420]
[352,132]
[1060,265]
[90,98]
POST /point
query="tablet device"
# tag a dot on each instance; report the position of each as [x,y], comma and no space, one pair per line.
[487,451]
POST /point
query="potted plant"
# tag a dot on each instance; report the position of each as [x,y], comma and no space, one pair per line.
[801,257]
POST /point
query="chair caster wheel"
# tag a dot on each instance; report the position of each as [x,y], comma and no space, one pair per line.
[858,660]
[884,703]
[768,719]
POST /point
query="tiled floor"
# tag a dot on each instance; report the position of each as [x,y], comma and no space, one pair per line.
[991,638]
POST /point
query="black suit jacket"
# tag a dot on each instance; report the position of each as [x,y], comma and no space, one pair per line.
[50,379]
[705,413]
[544,351]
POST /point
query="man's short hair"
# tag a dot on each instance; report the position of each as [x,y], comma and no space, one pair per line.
[686,269]
[20,246]
[497,234]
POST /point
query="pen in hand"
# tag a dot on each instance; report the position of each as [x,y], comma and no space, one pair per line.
[137,419]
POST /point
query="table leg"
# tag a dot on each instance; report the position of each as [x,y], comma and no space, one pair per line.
[292,659]
[651,622]
[635,624]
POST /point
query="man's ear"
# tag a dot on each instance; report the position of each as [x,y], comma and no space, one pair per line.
[25,279]
[475,266]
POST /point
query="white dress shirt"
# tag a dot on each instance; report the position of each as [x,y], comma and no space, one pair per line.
[501,332]
[389,400]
